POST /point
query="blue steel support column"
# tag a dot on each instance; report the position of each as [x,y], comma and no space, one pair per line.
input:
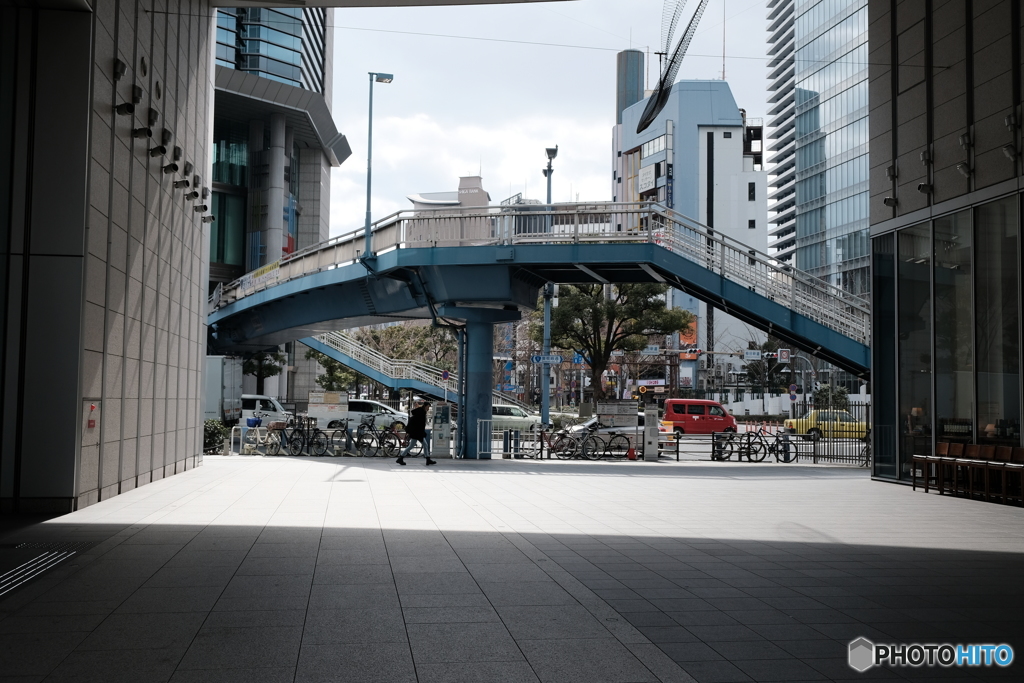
[479,376]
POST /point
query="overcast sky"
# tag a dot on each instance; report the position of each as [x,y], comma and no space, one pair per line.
[461,107]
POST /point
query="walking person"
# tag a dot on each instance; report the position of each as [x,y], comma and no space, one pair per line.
[416,430]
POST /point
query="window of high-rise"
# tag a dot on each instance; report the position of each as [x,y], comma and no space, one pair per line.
[818,140]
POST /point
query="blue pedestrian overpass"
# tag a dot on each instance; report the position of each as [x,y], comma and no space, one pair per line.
[484,266]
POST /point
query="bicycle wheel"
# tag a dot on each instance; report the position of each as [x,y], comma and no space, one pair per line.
[252,436]
[564,447]
[618,446]
[274,442]
[755,448]
[338,441]
[726,447]
[390,445]
[319,443]
[366,442]
[785,451]
[593,447]
[296,442]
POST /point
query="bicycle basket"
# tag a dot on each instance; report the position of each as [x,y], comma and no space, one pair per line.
[279,424]
[366,420]
[253,421]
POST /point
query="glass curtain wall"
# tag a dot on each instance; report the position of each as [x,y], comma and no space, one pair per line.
[947,328]
[997,330]
[883,360]
[954,329]
[914,359]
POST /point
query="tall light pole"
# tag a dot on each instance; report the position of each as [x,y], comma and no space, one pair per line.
[545,383]
[378,78]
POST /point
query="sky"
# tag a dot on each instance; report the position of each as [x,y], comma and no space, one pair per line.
[495,85]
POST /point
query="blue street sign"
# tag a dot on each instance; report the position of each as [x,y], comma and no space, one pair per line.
[445,374]
[552,358]
[577,359]
[792,397]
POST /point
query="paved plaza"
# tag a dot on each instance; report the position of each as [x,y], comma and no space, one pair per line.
[348,569]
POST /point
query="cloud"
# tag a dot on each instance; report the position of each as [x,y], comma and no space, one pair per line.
[421,153]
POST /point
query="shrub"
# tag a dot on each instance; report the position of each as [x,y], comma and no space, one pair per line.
[214,433]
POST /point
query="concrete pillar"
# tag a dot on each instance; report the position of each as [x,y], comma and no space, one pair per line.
[273,230]
[479,376]
[255,221]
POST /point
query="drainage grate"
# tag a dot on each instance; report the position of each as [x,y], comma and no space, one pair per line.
[52,555]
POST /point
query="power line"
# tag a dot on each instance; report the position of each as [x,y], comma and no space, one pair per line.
[561,45]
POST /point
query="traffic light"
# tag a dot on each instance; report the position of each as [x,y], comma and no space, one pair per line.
[770,354]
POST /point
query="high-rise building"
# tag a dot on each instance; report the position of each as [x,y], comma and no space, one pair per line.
[818,138]
[947,182]
[274,144]
[702,158]
[284,44]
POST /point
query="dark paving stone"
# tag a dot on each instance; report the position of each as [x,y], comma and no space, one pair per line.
[476,672]
[639,619]
[691,652]
[366,663]
[598,660]
[778,670]
[234,648]
[715,672]
[667,634]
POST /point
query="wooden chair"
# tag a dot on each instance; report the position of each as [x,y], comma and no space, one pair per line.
[925,462]
[962,469]
[1015,468]
[947,466]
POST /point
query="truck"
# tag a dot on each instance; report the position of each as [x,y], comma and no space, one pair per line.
[223,399]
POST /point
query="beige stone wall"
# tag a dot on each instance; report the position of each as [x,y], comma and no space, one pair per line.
[146,265]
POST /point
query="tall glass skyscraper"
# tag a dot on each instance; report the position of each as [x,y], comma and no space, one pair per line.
[818,138]
[285,45]
[274,145]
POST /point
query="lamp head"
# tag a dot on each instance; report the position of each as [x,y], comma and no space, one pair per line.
[552,152]
[383,78]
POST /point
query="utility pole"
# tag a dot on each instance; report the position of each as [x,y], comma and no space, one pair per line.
[549,292]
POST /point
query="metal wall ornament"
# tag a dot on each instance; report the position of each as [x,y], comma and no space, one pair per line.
[669,19]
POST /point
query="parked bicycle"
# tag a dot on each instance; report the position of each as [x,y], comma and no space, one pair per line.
[299,436]
[372,441]
[257,436]
[755,446]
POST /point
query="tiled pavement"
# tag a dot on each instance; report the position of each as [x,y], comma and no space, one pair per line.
[250,569]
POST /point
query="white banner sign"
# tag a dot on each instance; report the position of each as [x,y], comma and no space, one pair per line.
[646,180]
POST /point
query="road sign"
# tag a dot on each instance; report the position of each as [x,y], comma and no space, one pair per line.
[784,355]
[552,358]
[577,359]
[572,384]
[792,388]
[792,397]
[642,389]
[445,374]
[752,354]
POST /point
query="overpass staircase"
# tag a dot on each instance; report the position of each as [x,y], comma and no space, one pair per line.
[414,375]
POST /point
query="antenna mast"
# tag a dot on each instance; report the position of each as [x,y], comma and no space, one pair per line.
[723,40]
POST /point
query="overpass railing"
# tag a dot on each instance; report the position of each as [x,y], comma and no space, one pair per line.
[403,369]
[603,222]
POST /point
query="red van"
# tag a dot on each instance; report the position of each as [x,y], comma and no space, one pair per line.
[697,416]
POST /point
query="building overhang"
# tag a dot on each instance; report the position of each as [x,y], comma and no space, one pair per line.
[242,96]
[365,3]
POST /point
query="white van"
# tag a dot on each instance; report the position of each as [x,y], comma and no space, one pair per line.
[269,409]
[383,416]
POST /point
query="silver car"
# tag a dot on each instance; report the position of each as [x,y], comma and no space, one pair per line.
[513,417]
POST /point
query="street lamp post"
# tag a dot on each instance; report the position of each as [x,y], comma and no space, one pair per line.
[545,383]
[378,78]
